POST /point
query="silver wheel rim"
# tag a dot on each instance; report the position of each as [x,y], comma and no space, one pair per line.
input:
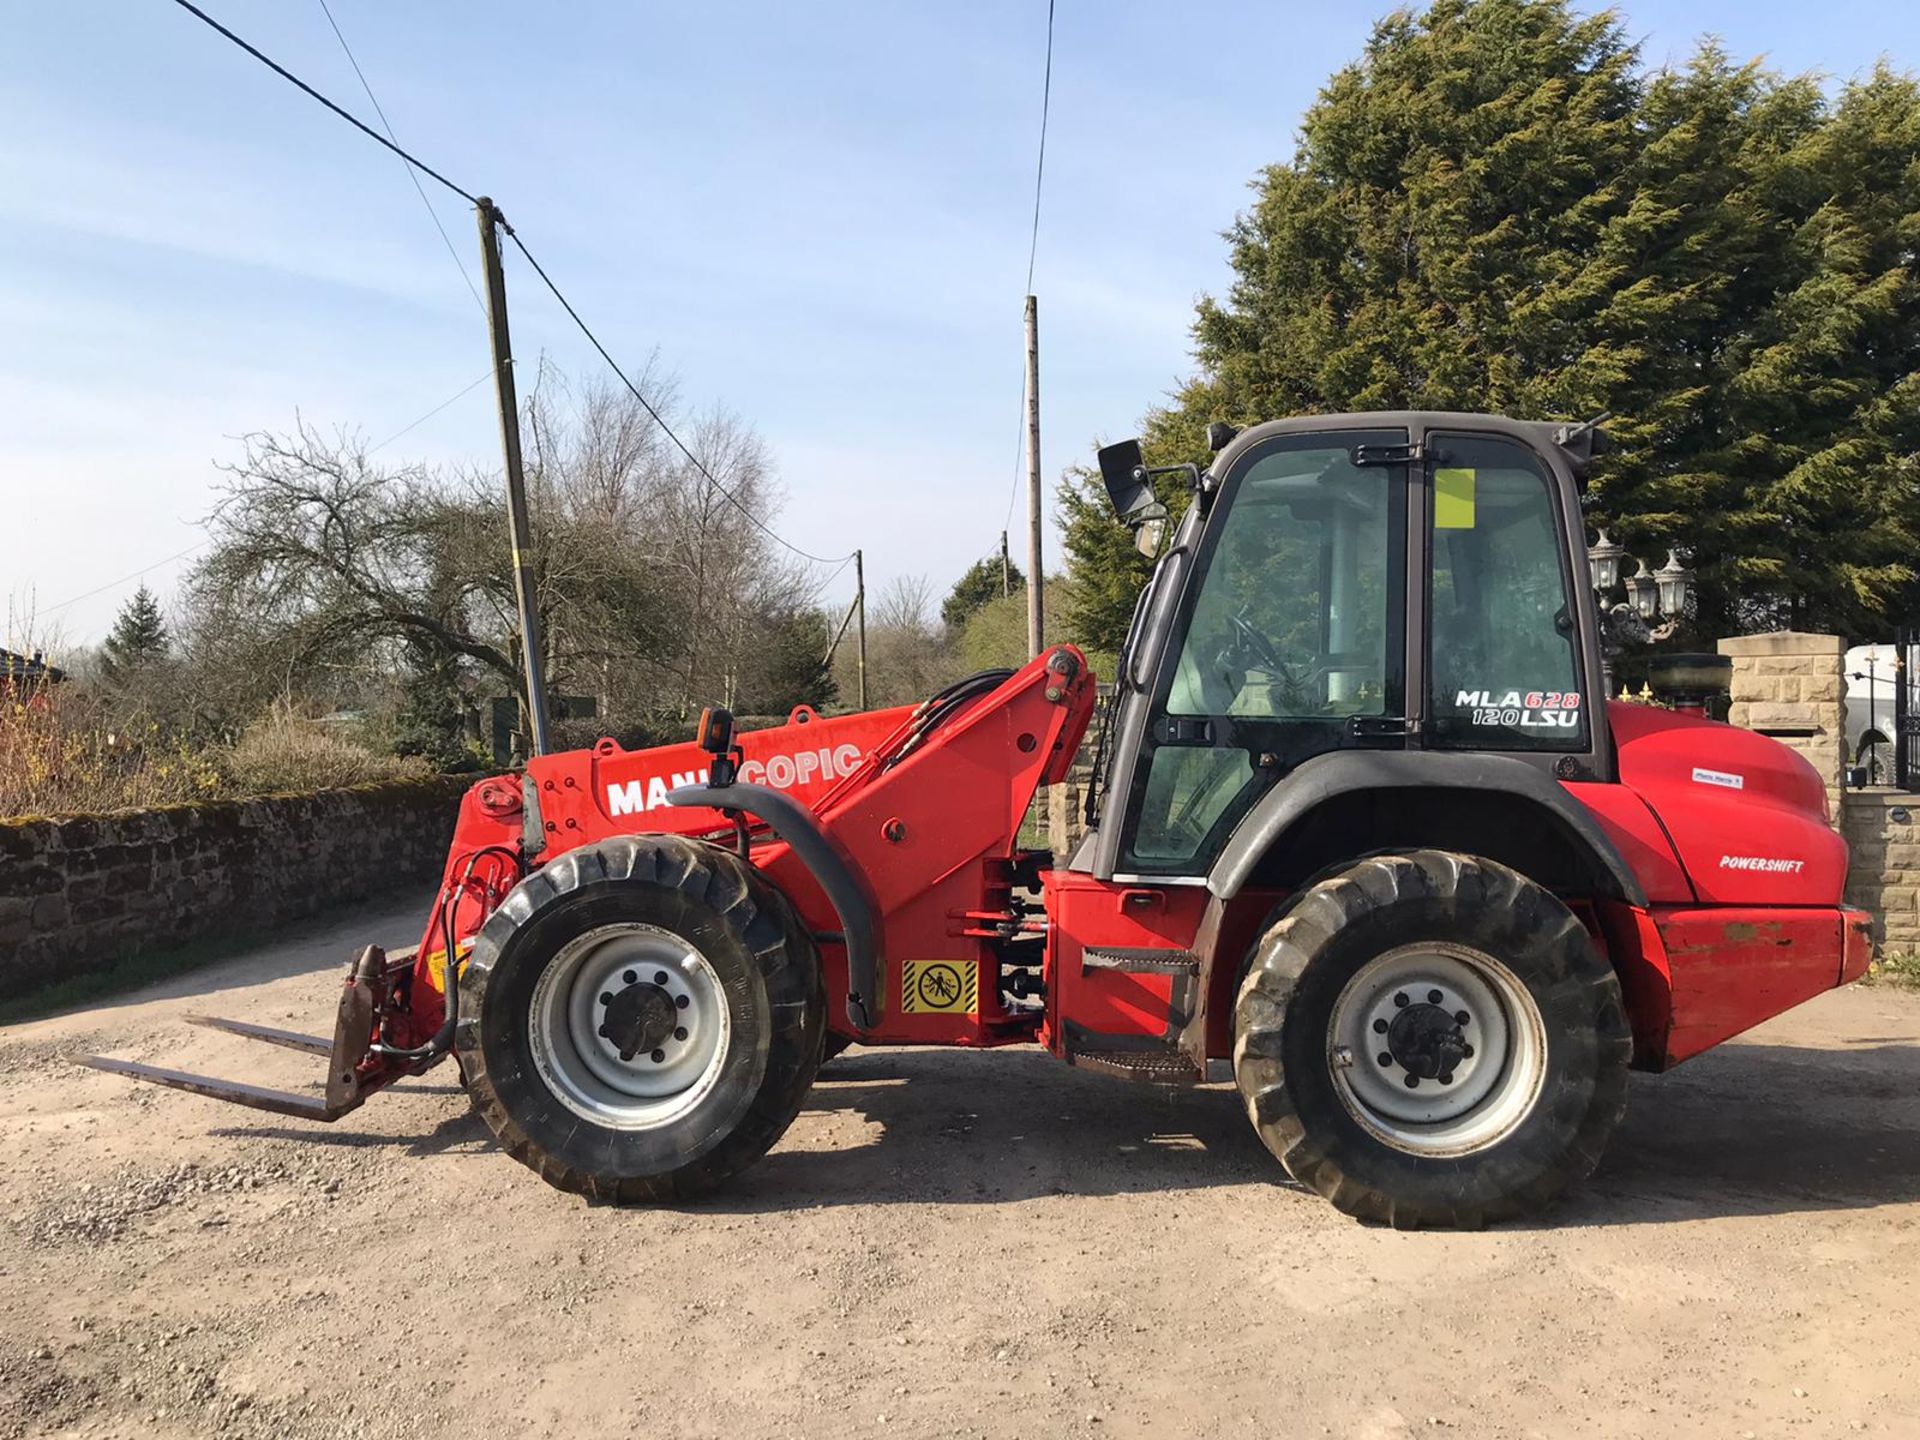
[1416,1074]
[658,997]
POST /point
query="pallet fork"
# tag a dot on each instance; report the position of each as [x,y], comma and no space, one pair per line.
[357,1066]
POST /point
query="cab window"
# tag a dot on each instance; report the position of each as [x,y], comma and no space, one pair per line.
[1503,670]
[1290,631]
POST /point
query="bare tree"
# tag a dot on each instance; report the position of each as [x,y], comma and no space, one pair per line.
[908,657]
[655,592]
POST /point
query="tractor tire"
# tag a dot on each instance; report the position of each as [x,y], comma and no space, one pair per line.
[836,1045]
[1431,1039]
[640,1019]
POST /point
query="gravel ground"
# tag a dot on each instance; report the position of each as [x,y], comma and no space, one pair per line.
[944,1245]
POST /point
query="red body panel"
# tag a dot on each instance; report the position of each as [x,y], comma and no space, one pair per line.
[1742,871]
[580,792]
[1086,913]
[934,835]
[930,826]
[1693,976]
[1747,816]
[587,795]
[1637,834]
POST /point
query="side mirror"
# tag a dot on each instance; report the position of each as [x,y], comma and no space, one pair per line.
[1125,474]
[1151,531]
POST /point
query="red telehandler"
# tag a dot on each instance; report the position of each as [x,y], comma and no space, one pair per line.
[1356,824]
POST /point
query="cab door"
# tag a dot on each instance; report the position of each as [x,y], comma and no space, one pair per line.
[1288,640]
[1503,670]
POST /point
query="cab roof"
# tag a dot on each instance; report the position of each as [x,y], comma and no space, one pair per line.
[1573,443]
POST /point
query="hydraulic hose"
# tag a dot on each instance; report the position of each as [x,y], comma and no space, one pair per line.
[442,1040]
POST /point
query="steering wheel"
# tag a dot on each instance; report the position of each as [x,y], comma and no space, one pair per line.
[1250,641]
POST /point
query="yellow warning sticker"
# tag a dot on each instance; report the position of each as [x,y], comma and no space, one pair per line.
[1453,499]
[939,987]
[436,963]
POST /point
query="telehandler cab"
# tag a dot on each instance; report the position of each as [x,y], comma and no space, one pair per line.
[1358,825]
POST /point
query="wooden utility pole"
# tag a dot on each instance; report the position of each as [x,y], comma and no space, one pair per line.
[1006,571]
[1036,621]
[860,599]
[523,591]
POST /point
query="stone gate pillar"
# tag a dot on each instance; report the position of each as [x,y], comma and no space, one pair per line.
[1788,684]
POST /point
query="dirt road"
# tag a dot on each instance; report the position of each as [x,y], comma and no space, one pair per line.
[944,1245]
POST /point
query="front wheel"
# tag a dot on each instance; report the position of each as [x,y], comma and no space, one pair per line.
[1432,1039]
[641,1018]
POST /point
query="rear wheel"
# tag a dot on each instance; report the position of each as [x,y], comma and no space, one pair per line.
[641,1018]
[1432,1039]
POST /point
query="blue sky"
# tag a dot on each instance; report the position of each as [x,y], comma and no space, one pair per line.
[816,214]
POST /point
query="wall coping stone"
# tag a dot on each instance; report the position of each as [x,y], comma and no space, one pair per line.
[1783,642]
[1883,799]
[227,803]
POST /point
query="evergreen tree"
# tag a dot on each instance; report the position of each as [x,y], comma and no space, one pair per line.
[1495,209]
[1104,570]
[138,639]
[982,582]
[431,719]
[1821,464]
[786,665]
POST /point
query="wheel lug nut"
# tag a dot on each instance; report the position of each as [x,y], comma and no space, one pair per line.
[658,1056]
[1379,1027]
[606,998]
[680,1032]
[1386,1059]
[1413,1082]
[1401,1000]
[681,1001]
[1446,1077]
[629,977]
[1434,997]
[606,1032]
[1466,1051]
[659,977]
[1462,1017]
[626,1054]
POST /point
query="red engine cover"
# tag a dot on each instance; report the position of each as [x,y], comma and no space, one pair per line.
[1747,816]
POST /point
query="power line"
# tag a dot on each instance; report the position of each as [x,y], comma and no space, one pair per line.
[1019,449]
[1040,169]
[419,189]
[658,419]
[488,375]
[1033,250]
[202,544]
[474,200]
[836,573]
[135,575]
[296,81]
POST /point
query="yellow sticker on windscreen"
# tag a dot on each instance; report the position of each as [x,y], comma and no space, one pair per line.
[1453,499]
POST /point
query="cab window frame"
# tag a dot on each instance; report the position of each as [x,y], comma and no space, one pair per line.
[1285,741]
[1590,742]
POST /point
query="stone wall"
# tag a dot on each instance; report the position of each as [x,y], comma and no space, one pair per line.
[1882,829]
[1788,685]
[79,893]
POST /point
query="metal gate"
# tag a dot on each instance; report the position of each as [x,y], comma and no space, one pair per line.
[1906,707]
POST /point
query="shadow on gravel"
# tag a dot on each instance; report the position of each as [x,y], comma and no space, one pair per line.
[1753,1129]
[1748,1129]
[989,1128]
[464,1133]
